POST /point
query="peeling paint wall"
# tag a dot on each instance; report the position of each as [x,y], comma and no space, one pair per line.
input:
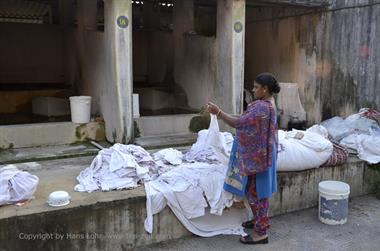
[196,74]
[333,56]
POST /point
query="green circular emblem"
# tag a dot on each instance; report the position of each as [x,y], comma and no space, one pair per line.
[122,22]
[238,27]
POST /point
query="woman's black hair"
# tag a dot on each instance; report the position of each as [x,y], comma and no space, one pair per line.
[269,80]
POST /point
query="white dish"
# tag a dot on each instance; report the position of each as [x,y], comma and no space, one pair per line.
[58,199]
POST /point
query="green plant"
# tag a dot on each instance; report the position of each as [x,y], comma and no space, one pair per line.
[200,122]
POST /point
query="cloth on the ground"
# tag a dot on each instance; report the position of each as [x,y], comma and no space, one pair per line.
[16,185]
[301,150]
[117,167]
[188,190]
[202,152]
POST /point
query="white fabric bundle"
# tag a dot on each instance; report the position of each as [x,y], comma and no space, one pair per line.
[357,133]
[16,185]
[301,150]
[167,159]
[212,146]
[185,190]
[340,128]
[118,167]
[169,155]
[367,146]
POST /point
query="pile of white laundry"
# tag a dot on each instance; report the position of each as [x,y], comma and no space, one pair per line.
[191,185]
[202,152]
[195,194]
[167,159]
[16,185]
[358,133]
[117,167]
[194,191]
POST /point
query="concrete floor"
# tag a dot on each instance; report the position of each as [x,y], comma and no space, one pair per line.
[60,174]
[301,231]
[32,154]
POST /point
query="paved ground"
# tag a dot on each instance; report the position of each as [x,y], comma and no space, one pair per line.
[301,231]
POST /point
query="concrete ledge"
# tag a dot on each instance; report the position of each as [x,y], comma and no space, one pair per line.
[164,124]
[163,141]
[115,220]
[30,135]
[299,190]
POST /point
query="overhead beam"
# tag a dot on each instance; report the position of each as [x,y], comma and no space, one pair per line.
[293,3]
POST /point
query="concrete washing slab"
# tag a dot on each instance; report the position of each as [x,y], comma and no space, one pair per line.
[163,141]
[30,154]
[115,220]
[42,134]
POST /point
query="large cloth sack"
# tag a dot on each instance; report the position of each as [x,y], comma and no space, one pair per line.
[16,185]
[301,150]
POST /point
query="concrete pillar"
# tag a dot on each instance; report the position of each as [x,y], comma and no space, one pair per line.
[183,21]
[116,100]
[230,54]
[86,16]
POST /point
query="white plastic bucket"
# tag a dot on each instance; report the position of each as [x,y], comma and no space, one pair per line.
[80,107]
[333,202]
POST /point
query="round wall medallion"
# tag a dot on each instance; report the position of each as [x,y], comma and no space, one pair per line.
[122,22]
[238,27]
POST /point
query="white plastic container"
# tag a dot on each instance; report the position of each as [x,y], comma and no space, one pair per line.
[80,107]
[333,202]
[58,199]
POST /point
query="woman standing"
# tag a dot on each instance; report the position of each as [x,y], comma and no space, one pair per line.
[256,153]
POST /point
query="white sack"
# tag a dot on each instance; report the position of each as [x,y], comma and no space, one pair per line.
[366,146]
[311,151]
[16,185]
[216,140]
[340,128]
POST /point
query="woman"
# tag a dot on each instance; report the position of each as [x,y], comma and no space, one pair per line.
[256,153]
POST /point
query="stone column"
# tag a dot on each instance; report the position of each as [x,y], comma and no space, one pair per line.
[86,17]
[183,21]
[230,55]
[117,94]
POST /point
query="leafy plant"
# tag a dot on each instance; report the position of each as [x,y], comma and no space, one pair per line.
[200,122]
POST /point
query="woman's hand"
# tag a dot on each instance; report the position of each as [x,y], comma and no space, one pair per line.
[212,108]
